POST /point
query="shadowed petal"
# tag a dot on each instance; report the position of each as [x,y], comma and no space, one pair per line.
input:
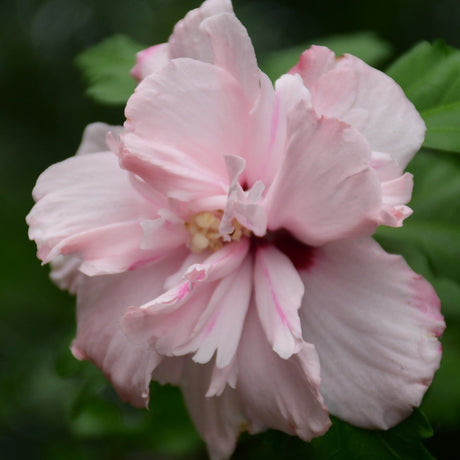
[279,393]
[102,301]
[218,419]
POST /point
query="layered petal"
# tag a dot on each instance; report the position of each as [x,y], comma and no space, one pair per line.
[233,51]
[374,323]
[102,301]
[279,393]
[193,315]
[181,152]
[325,189]
[278,294]
[348,89]
[219,327]
[86,206]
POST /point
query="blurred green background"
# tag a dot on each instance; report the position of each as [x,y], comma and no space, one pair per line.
[51,406]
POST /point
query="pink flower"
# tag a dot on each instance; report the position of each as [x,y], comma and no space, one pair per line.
[221,240]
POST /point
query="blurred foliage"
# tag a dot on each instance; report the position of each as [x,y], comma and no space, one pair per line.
[106,67]
[365,45]
[54,407]
[430,76]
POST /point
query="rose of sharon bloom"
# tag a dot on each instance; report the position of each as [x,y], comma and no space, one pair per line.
[221,240]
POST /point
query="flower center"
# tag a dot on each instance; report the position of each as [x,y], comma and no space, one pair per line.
[205,234]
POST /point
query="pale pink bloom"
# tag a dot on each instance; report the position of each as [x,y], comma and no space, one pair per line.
[221,240]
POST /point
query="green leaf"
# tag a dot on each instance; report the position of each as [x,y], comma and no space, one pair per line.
[430,76]
[344,441]
[106,68]
[365,45]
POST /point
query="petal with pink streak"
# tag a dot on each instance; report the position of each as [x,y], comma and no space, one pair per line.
[219,328]
[279,393]
[278,294]
[325,189]
[162,142]
[365,98]
[86,206]
[169,321]
[150,60]
[218,419]
[374,323]
[102,301]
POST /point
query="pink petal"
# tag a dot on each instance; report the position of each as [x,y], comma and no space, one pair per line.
[220,325]
[218,419]
[189,39]
[163,143]
[181,320]
[268,128]
[233,51]
[325,189]
[313,64]
[385,167]
[278,295]
[167,170]
[86,206]
[396,193]
[375,324]
[102,301]
[221,377]
[278,393]
[150,60]
[365,98]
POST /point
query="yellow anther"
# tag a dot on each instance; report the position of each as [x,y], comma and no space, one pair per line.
[204,230]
